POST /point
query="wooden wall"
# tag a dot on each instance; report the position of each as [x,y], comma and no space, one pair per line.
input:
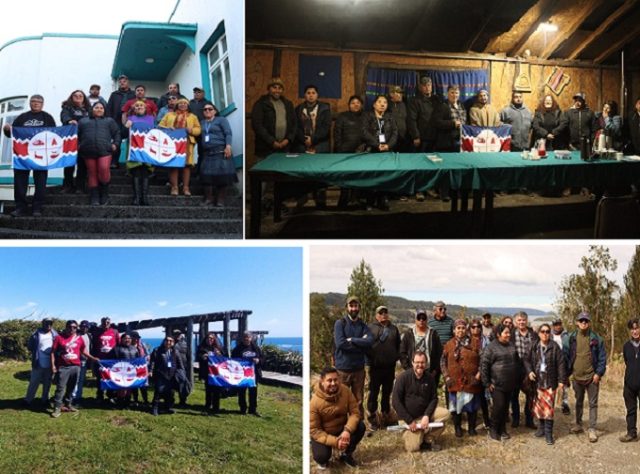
[598,84]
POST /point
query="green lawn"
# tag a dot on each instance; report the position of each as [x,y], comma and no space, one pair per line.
[101,440]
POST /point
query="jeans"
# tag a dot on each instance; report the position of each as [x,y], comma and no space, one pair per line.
[355,381]
[77,391]
[322,452]
[21,185]
[592,390]
[39,376]
[65,379]
[253,399]
[380,378]
[515,407]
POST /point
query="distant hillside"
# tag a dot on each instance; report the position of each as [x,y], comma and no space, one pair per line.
[403,310]
[533,313]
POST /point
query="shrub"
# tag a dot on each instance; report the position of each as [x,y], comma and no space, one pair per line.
[285,362]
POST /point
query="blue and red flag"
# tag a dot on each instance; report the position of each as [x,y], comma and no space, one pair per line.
[224,372]
[485,139]
[158,146]
[123,374]
[44,148]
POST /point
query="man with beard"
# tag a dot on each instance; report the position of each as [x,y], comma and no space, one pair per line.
[519,117]
[482,113]
[352,339]
[415,400]
[631,390]
[173,90]
[381,359]
[334,420]
[114,110]
[523,337]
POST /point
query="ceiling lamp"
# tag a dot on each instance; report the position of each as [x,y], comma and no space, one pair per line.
[548,27]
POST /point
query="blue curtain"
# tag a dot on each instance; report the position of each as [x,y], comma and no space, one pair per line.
[380,80]
[470,82]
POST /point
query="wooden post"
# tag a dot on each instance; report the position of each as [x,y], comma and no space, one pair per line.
[227,336]
[189,351]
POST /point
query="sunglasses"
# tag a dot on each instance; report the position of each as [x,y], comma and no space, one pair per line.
[422,317]
[583,321]
[545,331]
[208,108]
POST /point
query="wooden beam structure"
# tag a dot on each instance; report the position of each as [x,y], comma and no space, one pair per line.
[626,31]
[604,26]
[568,22]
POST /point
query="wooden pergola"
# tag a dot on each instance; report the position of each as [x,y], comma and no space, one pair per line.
[186,325]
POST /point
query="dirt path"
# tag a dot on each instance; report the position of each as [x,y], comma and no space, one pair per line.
[383,452]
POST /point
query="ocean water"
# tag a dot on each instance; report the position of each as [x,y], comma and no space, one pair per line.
[293,344]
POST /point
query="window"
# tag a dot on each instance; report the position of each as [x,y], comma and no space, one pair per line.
[9,110]
[220,74]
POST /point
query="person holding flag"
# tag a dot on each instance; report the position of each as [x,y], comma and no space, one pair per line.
[209,346]
[35,117]
[164,364]
[247,349]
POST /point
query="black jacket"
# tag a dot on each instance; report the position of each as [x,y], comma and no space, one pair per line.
[413,397]
[631,356]
[31,119]
[556,371]
[448,134]
[69,113]
[116,100]
[383,354]
[96,135]
[320,137]
[420,114]
[158,363]
[263,122]
[203,357]
[434,349]
[399,112]
[347,133]
[499,366]
[580,123]
[125,352]
[633,124]
[554,122]
[371,131]
[249,353]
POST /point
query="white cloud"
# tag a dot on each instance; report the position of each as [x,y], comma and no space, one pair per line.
[30,305]
[162,303]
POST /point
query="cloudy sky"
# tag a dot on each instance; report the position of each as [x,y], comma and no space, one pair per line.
[34,17]
[511,275]
[129,284]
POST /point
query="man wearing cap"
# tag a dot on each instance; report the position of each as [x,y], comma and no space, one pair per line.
[352,339]
[273,121]
[114,110]
[559,336]
[398,109]
[580,119]
[197,103]
[415,401]
[35,117]
[40,344]
[420,125]
[94,96]
[519,117]
[83,332]
[487,326]
[587,363]
[172,101]
[173,90]
[381,359]
[184,383]
[631,388]
[421,338]
[482,113]
[334,421]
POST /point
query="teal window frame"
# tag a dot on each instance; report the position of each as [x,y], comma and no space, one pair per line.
[204,67]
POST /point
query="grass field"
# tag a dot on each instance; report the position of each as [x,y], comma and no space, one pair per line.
[106,440]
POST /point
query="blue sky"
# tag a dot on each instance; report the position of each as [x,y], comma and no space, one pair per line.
[140,283]
[482,274]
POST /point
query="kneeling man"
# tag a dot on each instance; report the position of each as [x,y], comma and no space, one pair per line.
[335,420]
[414,400]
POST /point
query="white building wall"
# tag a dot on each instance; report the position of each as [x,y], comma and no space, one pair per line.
[208,14]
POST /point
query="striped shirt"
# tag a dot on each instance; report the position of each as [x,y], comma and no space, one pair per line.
[444,328]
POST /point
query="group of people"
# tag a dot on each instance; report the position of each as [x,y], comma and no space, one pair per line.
[103,127]
[424,123]
[483,367]
[65,357]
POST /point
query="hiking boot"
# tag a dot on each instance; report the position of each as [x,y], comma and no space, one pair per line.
[628,437]
[72,408]
[457,424]
[577,428]
[348,460]
[548,431]
[505,436]
[56,413]
[19,213]
[565,409]
[593,436]
[154,411]
[493,435]
[322,467]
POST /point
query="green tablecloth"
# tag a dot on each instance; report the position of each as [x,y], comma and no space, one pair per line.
[407,173]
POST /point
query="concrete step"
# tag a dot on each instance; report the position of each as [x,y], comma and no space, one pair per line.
[135,212]
[125,200]
[9,233]
[123,227]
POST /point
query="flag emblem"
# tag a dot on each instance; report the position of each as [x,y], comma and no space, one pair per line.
[43,148]
[156,146]
[224,372]
[486,139]
[122,374]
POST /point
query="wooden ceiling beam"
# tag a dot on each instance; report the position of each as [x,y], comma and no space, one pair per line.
[611,19]
[546,10]
[576,15]
[617,44]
